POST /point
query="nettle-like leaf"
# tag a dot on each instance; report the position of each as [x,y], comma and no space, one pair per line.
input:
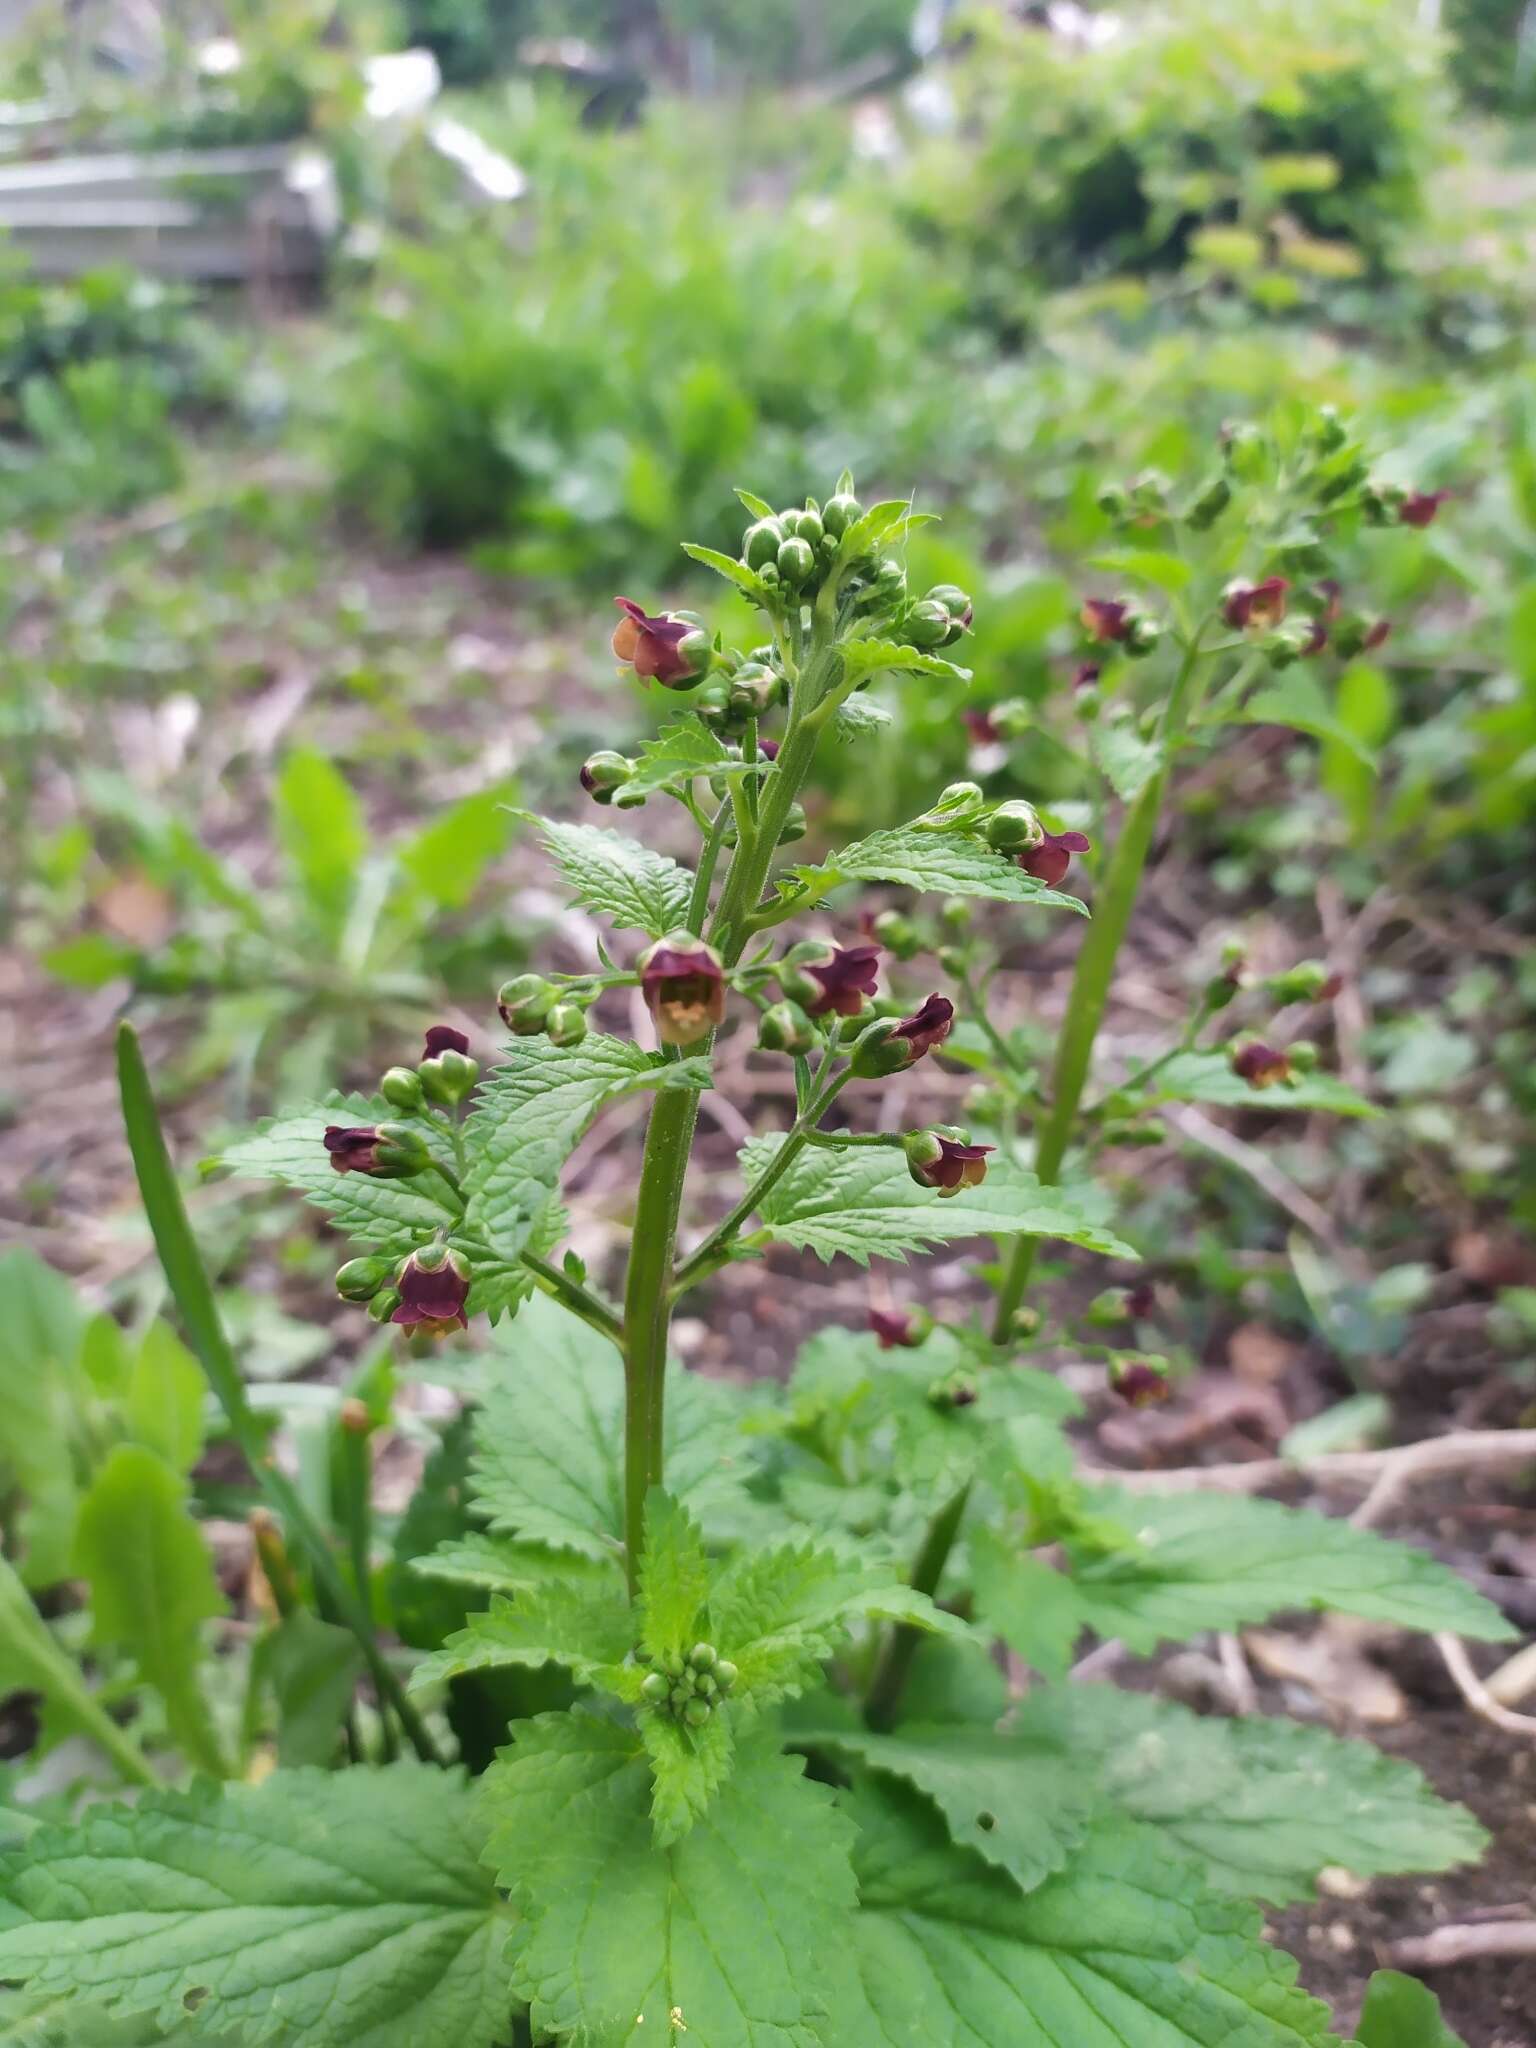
[746,580]
[1125,758]
[681,752]
[55,2020]
[584,1626]
[1200,1561]
[500,1564]
[864,1202]
[346,1910]
[619,878]
[1122,1946]
[857,718]
[1003,1793]
[549,1439]
[862,658]
[674,1577]
[951,863]
[388,1215]
[729,1933]
[530,1114]
[1263,1805]
[1298,700]
[1208,1077]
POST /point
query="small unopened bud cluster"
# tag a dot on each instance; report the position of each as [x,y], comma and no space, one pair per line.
[688,1688]
[532,1007]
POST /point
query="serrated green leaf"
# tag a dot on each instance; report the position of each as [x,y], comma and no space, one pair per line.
[1005,1795]
[884,521]
[549,1438]
[1400,2012]
[674,1577]
[733,571]
[758,507]
[861,658]
[1298,700]
[349,1909]
[1263,1805]
[152,1586]
[1208,1077]
[1122,1949]
[43,2020]
[1212,1561]
[497,1564]
[688,1767]
[1124,758]
[864,1203]
[950,863]
[856,718]
[529,1115]
[680,753]
[582,1627]
[391,1216]
[622,1943]
[320,827]
[618,877]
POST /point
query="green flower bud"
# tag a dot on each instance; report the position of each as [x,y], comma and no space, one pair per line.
[712,705]
[952,960]
[696,1713]
[959,806]
[1303,983]
[898,934]
[680,1696]
[671,1663]
[754,691]
[1142,635]
[1149,492]
[1330,433]
[1111,501]
[761,543]
[1287,643]
[955,913]
[524,1003]
[401,1088]
[655,1686]
[448,1076]
[566,1024]
[698,650]
[401,1151]
[725,1674]
[956,602]
[1234,951]
[1107,1310]
[1015,827]
[361,1279]
[786,1028]
[926,625]
[1142,1131]
[839,513]
[1303,1055]
[1246,451]
[1209,505]
[1024,1324]
[806,526]
[384,1304]
[797,562]
[794,826]
[707,1686]
[604,774]
[1087,702]
[702,1657]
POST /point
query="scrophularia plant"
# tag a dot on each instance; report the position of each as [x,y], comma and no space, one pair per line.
[759,1777]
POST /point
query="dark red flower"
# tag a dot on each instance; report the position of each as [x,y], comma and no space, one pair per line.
[650,646]
[1139,1385]
[1140,1300]
[929,1025]
[443,1038]
[1105,618]
[433,1291]
[1260,1065]
[1048,862]
[769,749]
[354,1148]
[683,983]
[900,1329]
[1419,507]
[1255,607]
[847,978]
[1085,675]
[945,1163]
[1375,633]
[979,725]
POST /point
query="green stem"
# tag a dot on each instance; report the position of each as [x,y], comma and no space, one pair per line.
[35,1663]
[901,1644]
[193,1294]
[1090,987]
[572,1295]
[698,904]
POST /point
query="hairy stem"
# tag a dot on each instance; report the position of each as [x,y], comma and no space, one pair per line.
[902,1643]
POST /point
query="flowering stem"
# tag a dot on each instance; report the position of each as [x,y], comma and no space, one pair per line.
[1090,987]
[901,1644]
[698,903]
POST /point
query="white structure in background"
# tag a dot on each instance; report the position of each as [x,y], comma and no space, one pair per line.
[270,211]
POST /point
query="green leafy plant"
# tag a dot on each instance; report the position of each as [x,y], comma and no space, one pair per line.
[765,1781]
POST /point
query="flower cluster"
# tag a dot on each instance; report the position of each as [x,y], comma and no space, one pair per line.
[687,1688]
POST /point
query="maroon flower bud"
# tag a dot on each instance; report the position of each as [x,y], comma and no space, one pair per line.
[683,983]
[887,1048]
[1048,862]
[937,1160]
[652,646]
[846,977]
[1140,1300]
[1255,607]
[978,724]
[900,1329]
[434,1286]
[1139,1383]
[1419,507]
[443,1038]
[385,1151]
[1106,618]
[1085,675]
[1260,1065]
[769,749]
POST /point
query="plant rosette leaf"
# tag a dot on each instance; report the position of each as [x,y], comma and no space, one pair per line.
[345,1910]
